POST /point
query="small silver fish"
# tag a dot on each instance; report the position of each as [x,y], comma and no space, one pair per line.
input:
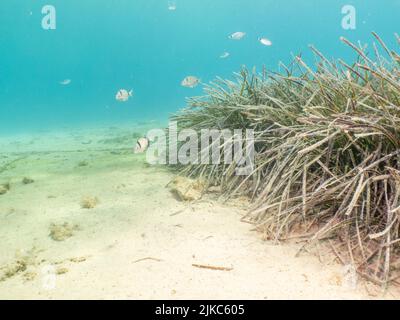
[237,35]
[171,6]
[265,42]
[225,55]
[190,82]
[123,95]
[65,82]
[142,145]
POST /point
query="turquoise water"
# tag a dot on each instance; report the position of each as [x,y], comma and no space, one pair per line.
[104,45]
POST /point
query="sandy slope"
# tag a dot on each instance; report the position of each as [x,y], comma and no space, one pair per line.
[139,242]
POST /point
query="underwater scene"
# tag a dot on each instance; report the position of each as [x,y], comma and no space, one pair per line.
[187,149]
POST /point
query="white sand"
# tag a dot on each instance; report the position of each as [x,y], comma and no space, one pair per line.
[138,218]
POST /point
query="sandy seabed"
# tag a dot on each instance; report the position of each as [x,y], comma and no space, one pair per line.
[139,241]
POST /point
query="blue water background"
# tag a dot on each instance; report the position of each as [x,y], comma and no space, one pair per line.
[105,45]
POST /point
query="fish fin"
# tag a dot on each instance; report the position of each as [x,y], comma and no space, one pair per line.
[131,93]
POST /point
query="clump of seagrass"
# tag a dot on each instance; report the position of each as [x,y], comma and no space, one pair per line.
[327,153]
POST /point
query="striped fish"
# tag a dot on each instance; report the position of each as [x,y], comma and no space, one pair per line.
[142,145]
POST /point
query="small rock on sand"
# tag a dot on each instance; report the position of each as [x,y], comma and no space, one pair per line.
[187,189]
[4,188]
[89,202]
[78,259]
[14,268]
[61,232]
[29,276]
[61,270]
[27,180]
[20,264]
[83,163]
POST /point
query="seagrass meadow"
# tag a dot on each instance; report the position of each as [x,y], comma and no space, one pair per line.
[327,141]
